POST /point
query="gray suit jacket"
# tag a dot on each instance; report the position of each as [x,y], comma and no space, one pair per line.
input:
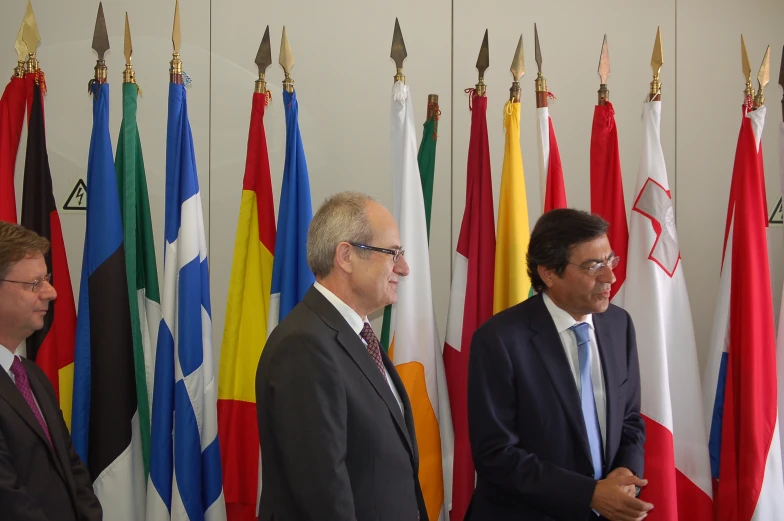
[36,482]
[334,443]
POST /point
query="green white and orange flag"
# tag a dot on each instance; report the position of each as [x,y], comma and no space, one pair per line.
[512,284]
[245,331]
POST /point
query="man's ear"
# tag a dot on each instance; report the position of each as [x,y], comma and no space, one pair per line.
[547,274]
[344,257]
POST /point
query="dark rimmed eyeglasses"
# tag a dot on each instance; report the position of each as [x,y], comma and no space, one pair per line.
[594,268]
[396,253]
[35,285]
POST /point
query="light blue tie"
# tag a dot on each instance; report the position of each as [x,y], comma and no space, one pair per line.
[588,402]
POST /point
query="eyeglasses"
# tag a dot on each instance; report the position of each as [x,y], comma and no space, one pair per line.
[594,268]
[396,253]
[35,285]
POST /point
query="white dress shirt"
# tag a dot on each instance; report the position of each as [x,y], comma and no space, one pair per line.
[356,323]
[563,321]
[6,360]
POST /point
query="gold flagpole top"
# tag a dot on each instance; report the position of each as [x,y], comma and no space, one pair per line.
[541,81]
[482,63]
[286,60]
[100,46]
[657,60]
[763,77]
[129,76]
[263,60]
[398,52]
[21,53]
[604,73]
[175,65]
[31,38]
[518,70]
[744,56]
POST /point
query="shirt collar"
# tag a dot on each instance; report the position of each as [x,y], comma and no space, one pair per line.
[563,320]
[6,359]
[352,317]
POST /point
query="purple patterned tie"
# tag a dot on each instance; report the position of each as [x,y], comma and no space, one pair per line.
[373,348]
[20,375]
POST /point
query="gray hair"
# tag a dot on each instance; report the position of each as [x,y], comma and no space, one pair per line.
[342,217]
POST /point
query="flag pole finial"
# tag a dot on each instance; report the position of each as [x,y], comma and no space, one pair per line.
[129,76]
[746,64]
[286,60]
[100,46]
[604,73]
[175,65]
[541,81]
[21,52]
[781,82]
[518,70]
[482,63]
[263,60]
[763,77]
[657,60]
[398,52]
[31,38]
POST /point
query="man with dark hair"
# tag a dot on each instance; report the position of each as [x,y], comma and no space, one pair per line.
[41,476]
[554,389]
[335,423]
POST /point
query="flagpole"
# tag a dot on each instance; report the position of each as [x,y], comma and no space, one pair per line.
[604,72]
[763,77]
[657,60]
[541,81]
[175,65]
[286,60]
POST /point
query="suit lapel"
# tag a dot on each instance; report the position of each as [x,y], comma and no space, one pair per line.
[13,396]
[606,350]
[351,342]
[550,348]
[408,432]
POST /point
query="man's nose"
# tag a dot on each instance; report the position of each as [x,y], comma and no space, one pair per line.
[47,291]
[401,266]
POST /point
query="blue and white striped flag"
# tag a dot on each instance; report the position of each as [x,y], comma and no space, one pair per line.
[185,468]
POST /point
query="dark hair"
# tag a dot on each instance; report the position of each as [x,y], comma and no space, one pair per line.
[554,235]
[16,243]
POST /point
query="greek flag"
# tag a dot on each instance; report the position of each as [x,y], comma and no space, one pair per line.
[185,469]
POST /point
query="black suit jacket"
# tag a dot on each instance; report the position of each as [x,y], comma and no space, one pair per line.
[528,437]
[38,483]
[335,445]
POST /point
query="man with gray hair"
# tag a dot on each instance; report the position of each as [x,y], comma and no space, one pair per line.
[335,424]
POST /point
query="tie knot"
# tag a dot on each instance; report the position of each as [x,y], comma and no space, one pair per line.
[17,368]
[581,332]
[367,334]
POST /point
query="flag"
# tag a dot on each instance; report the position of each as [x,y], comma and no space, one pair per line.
[106,424]
[471,299]
[780,337]
[607,189]
[512,284]
[245,331]
[12,110]
[739,386]
[676,445]
[51,347]
[185,468]
[551,179]
[291,276]
[426,160]
[415,347]
[140,263]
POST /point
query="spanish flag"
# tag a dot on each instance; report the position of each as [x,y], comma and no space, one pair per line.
[245,331]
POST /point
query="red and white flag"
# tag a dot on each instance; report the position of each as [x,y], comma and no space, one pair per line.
[551,178]
[607,190]
[676,446]
[739,385]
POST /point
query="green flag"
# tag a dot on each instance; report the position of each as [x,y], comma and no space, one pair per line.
[143,293]
[426,158]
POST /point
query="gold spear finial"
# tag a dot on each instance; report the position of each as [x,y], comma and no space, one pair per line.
[175,65]
[129,76]
[541,81]
[263,60]
[482,63]
[21,52]
[763,77]
[31,38]
[746,64]
[657,60]
[518,70]
[286,60]
[398,52]
[100,45]
[604,73]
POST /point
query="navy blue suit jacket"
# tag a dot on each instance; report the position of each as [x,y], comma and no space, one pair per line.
[528,437]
